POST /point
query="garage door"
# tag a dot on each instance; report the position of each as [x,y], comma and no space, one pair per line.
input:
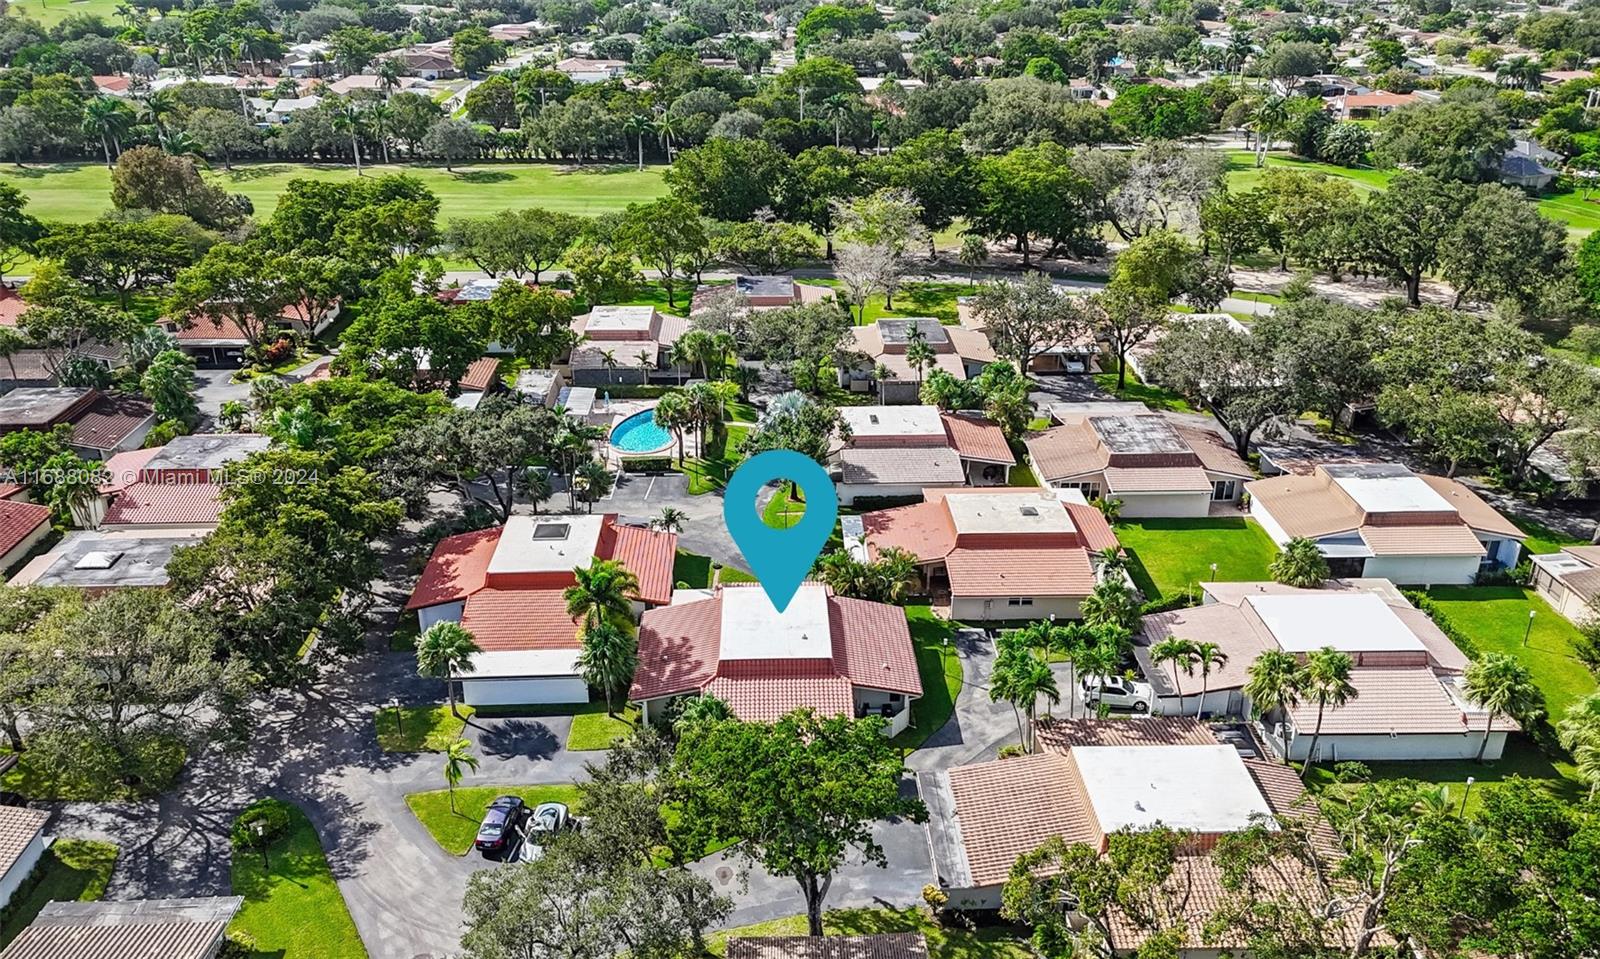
[529,691]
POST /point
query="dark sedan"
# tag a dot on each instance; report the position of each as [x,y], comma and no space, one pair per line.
[500,823]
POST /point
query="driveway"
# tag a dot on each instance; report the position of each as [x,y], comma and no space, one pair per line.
[640,499]
[213,389]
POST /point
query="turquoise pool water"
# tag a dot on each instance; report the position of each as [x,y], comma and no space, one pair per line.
[639,434]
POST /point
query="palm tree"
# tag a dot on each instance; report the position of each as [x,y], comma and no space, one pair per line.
[704,708]
[180,143]
[1579,731]
[1503,686]
[608,359]
[1326,683]
[1006,681]
[672,413]
[1099,659]
[973,254]
[1111,603]
[537,485]
[667,127]
[1274,682]
[1268,120]
[156,105]
[444,651]
[458,759]
[106,118]
[1238,53]
[389,71]
[1180,654]
[1519,71]
[603,593]
[1299,564]
[671,520]
[918,353]
[609,658]
[647,362]
[380,116]
[637,126]
[348,120]
[1207,656]
[1069,642]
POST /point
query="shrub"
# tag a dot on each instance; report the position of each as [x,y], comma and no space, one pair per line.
[273,817]
[647,464]
[1425,603]
[276,352]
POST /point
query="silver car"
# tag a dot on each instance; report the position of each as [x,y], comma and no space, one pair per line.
[1118,693]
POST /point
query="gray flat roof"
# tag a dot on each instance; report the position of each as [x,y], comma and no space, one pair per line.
[765,285]
[1149,433]
[207,451]
[130,561]
[39,405]
[1367,470]
[899,330]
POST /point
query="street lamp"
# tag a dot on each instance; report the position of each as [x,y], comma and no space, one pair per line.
[399,718]
[1465,794]
[259,827]
[1213,572]
[1527,632]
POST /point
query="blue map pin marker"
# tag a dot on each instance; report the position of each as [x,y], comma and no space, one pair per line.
[781,558]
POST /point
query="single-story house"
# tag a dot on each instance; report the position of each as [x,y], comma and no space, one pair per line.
[1155,468]
[1073,356]
[1000,553]
[541,387]
[832,654]
[127,929]
[102,423]
[176,486]
[504,585]
[623,344]
[22,842]
[1569,581]
[958,351]
[220,342]
[896,452]
[481,379]
[760,292]
[1370,106]
[1410,705]
[580,70]
[22,527]
[1382,521]
[100,561]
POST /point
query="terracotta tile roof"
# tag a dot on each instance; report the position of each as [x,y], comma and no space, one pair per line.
[977,438]
[1063,452]
[1059,735]
[679,649]
[759,699]
[1240,637]
[110,420]
[971,344]
[1305,505]
[646,553]
[1214,452]
[900,368]
[455,569]
[122,469]
[18,827]
[1174,479]
[1474,511]
[11,306]
[18,521]
[518,619]
[872,645]
[1020,572]
[220,330]
[8,490]
[1010,806]
[1452,540]
[905,945]
[1097,534]
[1395,700]
[922,529]
[481,374]
[165,504]
[917,466]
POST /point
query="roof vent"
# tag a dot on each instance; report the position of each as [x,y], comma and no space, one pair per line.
[98,559]
[551,530]
[872,418]
[1030,511]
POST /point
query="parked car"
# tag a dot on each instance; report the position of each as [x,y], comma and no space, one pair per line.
[500,824]
[1118,693]
[547,820]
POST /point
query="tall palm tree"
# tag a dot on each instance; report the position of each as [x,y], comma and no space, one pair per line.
[637,126]
[1579,731]
[918,353]
[603,593]
[1069,642]
[389,71]
[348,120]
[1006,680]
[673,414]
[1503,686]
[608,359]
[1207,656]
[671,520]
[1238,53]
[1273,682]
[1178,654]
[107,119]
[647,362]
[1099,659]
[458,759]
[1326,683]
[609,657]
[1299,564]
[445,651]
[1111,603]
[667,127]
[1269,119]
[157,105]
[380,118]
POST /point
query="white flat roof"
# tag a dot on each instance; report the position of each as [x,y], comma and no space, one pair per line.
[753,629]
[546,544]
[1394,494]
[1206,789]
[893,420]
[1352,622]
[516,663]
[619,318]
[1029,511]
[577,400]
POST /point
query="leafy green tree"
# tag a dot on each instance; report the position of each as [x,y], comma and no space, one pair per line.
[1502,248]
[1032,195]
[119,256]
[1502,686]
[1299,564]
[170,384]
[1453,139]
[793,421]
[1233,374]
[1579,731]
[451,140]
[1111,604]
[232,284]
[1028,319]
[762,249]
[19,231]
[474,51]
[444,651]
[810,338]
[146,178]
[66,328]
[602,276]
[223,134]
[609,657]
[515,241]
[663,235]
[1326,682]
[730,179]
[468,451]
[536,325]
[411,341]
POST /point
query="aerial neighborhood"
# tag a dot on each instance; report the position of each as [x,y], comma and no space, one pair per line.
[1190,418]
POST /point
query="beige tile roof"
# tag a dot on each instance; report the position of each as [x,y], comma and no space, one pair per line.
[976,437]
[1215,454]
[1062,452]
[18,827]
[1452,540]
[1477,513]
[1009,806]
[126,929]
[925,466]
[1241,638]
[904,945]
[1588,554]
[900,368]
[1173,479]
[1305,505]
[971,344]
[1059,735]
[1059,571]
[1395,700]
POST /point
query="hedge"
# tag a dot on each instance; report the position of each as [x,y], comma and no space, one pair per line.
[647,464]
[863,504]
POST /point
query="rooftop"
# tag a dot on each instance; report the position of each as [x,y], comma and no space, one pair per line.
[1354,622]
[128,929]
[546,544]
[39,405]
[92,560]
[753,629]
[1387,488]
[764,286]
[898,331]
[1137,787]
[870,421]
[205,451]
[1149,433]
[1002,511]
[635,318]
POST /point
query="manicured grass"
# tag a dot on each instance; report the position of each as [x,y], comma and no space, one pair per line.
[71,870]
[691,570]
[782,512]
[711,471]
[1541,538]
[420,729]
[33,778]
[292,906]
[76,192]
[1495,618]
[1522,758]
[937,300]
[598,730]
[1022,475]
[1152,396]
[953,941]
[51,12]
[1172,556]
[454,831]
[733,574]
[940,670]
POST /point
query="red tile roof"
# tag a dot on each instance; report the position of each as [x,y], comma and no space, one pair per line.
[766,699]
[646,553]
[208,329]
[11,306]
[19,826]
[977,438]
[1092,527]
[165,504]
[1020,572]
[110,420]
[518,619]
[481,374]
[1008,807]
[122,469]
[679,647]
[922,529]
[18,521]
[872,645]
[455,569]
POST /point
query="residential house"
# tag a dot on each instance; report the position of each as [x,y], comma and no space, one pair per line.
[102,423]
[173,487]
[1382,521]
[1370,106]
[623,344]
[481,379]
[1075,356]
[1152,466]
[581,70]
[900,945]
[112,85]
[999,553]
[760,292]
[23,526]
[430,61]
[1528,165]
[835,655]
[896,452]
[99,561]
[127,929]
[505,585]
[956,350]
[1409,704]
[221,343]
[372,83]
[1569,581]
[22,842]
[540,387]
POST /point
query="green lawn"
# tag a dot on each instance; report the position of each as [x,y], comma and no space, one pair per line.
[51,12]
[292,907]
[71,870]
[914,299]
[782,512]
[421,729]
[710,472]
[952,941]
[691,570]
[1171,556]
[82,191]
[1022,475]
[940,670]
[1522,758]
[454,831]
[598,730]
[1495,618]
[1152,396]
[1541,538]
[161,761]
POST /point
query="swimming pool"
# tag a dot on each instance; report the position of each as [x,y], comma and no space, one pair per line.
[640,434]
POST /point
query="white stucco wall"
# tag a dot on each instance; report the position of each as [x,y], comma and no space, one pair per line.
[20,551]
[524,691]
[1136,505]
[1332,749]
[1260,515]
[849,491]
[1560,598]
[1423,570]
[21,869]
[442,613]
[968,608]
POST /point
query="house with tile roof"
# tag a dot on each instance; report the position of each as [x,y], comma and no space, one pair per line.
[1154,467]
[22,842]
[1072,356]
[1569,580]
[999,553]
[832,654]
[759,292]
[957,350]
[127,929]
[623,344]
[23,526]
[896,452]
[1409,704]
[220,341]
[173,487]
[1382,521]
[504,585]
[102,423]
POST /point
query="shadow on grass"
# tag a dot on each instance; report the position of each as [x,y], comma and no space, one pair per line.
[597,169]
[40,171]
[482,176]
[1141,578]
[263,171]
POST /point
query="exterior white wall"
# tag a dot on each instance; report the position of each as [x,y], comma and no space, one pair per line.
[530,690]
[1136,505]
[1560,598]
[1219,702]
[1331,749]
[21,869]
[20,551]
[1423,570]
[971,608]
[975,899]
[1260,515]
[442,613]
[1506,552]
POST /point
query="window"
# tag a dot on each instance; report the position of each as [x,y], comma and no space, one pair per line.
[1020,601]
[1090,490]
[1224,489]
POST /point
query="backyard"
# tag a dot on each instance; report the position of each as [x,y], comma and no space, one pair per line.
[1168,557]
[939,668]
[1495,619]
[71,870]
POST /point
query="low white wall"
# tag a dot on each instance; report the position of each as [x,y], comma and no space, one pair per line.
[524,691]
[1168,505]
[1331,749]
[973,608]
[442,613]
[21,869]
[1423,570]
